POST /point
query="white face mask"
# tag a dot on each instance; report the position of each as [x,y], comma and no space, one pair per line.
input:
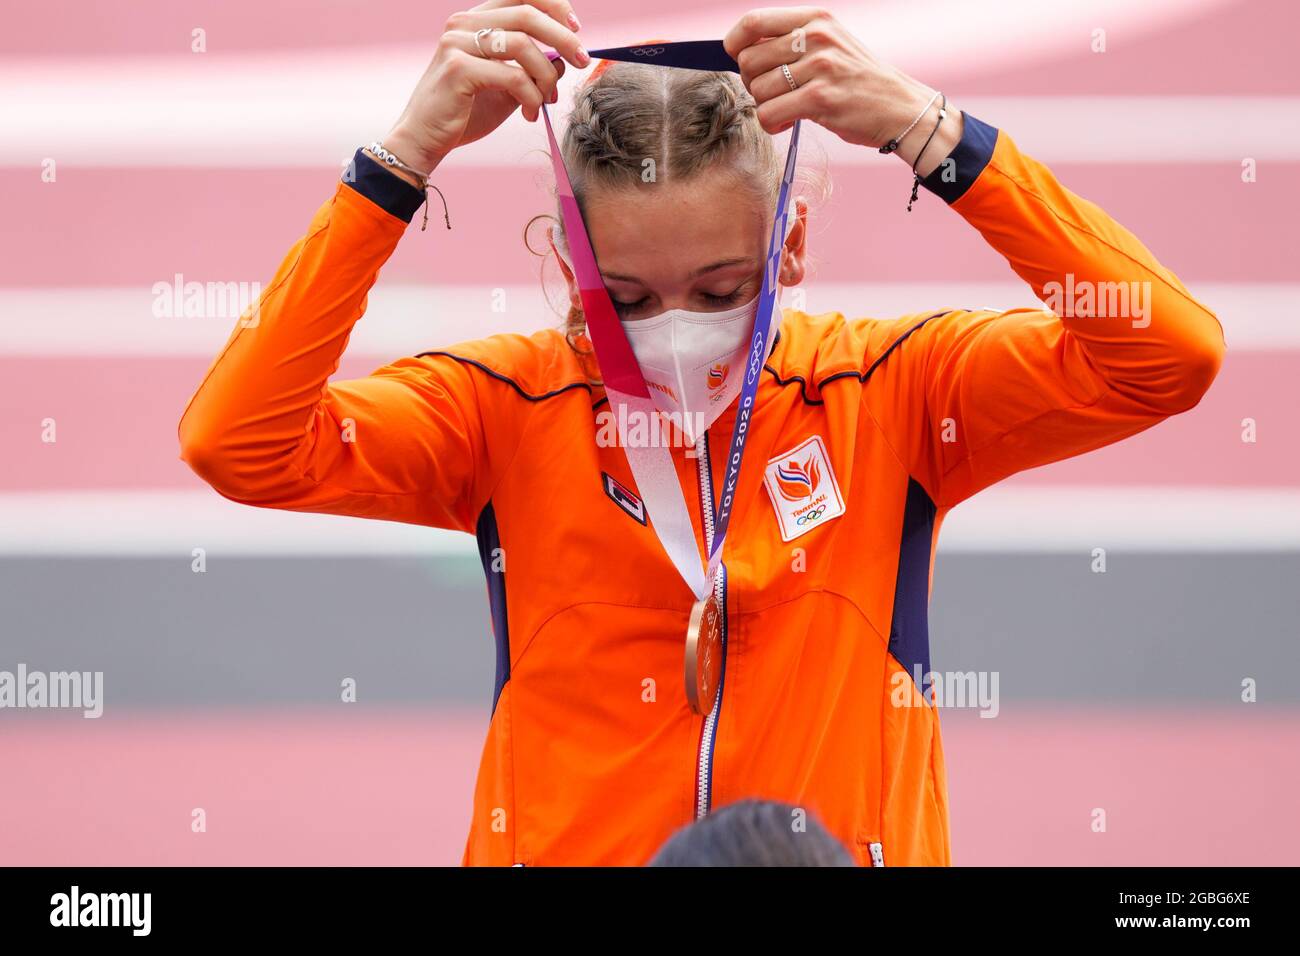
[694,362]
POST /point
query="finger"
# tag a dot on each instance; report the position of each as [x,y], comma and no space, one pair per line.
[779,114]
[768,55]
[764,23]
[525,19]
[480,74]
[773,83]
[513,45]
[561,11]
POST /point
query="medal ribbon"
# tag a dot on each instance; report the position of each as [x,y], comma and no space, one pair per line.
[652,464]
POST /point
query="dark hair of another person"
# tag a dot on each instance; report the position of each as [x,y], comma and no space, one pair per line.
[754,833]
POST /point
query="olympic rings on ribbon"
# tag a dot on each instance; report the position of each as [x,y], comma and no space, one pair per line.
[811,516]
[647,50]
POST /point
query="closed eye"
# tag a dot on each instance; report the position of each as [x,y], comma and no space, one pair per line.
[625,308]
[729,299]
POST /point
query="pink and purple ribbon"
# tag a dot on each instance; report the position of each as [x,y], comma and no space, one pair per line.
[652,465]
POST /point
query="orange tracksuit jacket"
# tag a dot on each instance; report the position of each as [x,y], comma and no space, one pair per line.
[874,427]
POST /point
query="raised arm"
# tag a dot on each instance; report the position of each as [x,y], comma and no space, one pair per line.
[407,443]
[1121,345]
[972,397]
[266,428]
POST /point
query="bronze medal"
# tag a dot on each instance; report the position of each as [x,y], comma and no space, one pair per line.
[703,654]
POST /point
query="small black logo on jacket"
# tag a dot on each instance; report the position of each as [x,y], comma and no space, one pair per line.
[622,496]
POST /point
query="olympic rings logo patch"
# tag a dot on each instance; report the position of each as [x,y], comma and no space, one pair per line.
[647,50]
[811,516]
[802,487]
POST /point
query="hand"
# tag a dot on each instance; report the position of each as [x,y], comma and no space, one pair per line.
[465,95]
[841,86]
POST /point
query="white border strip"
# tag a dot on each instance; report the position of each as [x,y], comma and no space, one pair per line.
[1018,517]
[1013,518]
[140,523]
[406,319]
[225,120]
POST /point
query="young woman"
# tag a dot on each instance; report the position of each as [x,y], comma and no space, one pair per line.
[865,431]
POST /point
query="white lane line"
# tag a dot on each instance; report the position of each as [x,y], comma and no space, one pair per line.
[1014,518]
[1019,517]
[153,119]
[176,522]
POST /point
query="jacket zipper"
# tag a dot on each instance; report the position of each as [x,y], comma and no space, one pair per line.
[709,731]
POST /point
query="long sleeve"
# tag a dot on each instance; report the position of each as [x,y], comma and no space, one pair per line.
[1120,346]
[266,428]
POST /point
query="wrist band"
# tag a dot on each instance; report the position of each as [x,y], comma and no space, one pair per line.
[916,177]
[389,158]
[893,143]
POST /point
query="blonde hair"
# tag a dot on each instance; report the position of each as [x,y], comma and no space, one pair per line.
[682,121]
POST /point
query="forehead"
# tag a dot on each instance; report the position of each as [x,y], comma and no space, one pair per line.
[661,232]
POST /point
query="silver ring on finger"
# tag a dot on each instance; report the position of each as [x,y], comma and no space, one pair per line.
[789,77]
[478,39]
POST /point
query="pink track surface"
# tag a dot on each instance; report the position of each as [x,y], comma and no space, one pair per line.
[394,787]
[238,224]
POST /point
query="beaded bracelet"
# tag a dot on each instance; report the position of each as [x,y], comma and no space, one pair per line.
[916,177]
[893,143]
[390,159]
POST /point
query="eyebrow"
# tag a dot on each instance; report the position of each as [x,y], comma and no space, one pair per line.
[711,267]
